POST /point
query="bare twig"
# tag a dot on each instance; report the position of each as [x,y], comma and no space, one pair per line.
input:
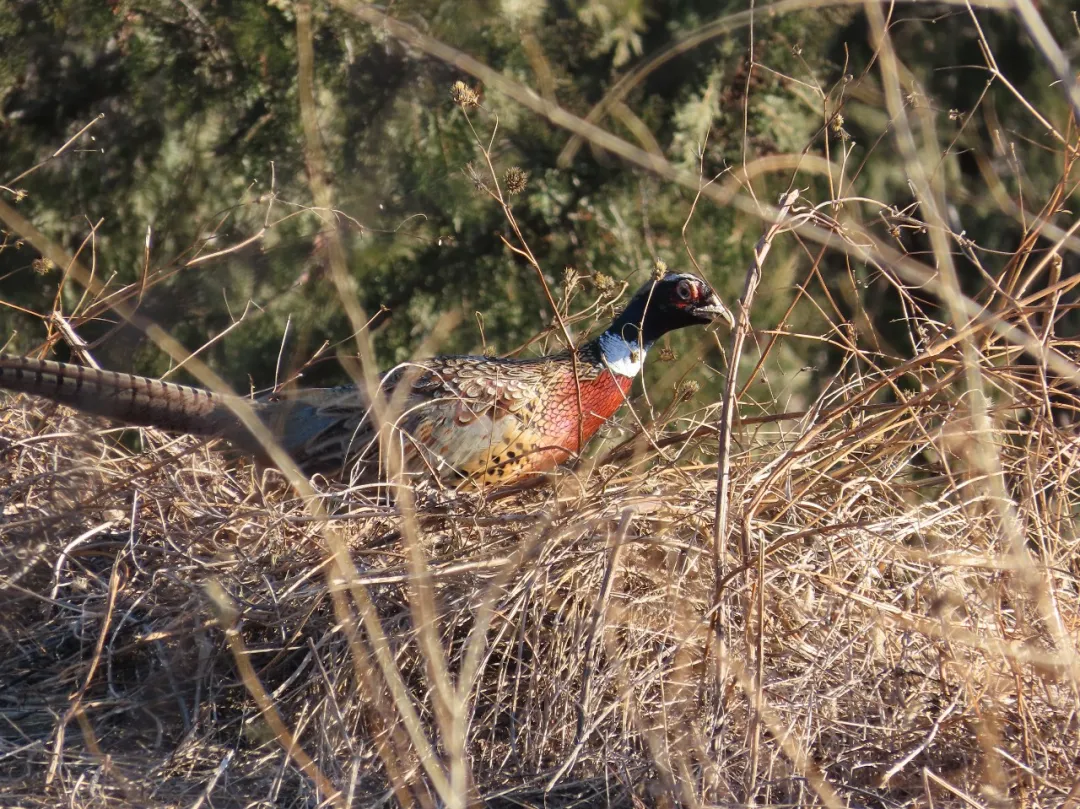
[727,410]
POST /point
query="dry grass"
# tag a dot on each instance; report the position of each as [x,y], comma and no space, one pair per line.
[892,643]
[893,619]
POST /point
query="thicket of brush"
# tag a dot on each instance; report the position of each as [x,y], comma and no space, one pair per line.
[890,618]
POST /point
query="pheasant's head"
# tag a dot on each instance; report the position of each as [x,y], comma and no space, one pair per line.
[673,302]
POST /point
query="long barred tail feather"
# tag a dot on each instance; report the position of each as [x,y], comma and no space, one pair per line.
[322,428]
[135,400]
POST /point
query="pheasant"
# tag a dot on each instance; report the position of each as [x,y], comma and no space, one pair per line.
[495,421]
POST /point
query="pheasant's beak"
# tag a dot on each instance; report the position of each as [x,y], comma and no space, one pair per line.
[714,308]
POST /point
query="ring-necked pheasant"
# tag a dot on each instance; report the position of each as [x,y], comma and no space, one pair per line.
[493,420]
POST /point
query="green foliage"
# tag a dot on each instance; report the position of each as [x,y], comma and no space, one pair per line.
[202,143]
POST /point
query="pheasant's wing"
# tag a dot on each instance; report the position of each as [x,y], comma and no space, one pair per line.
[479,385]
[331,430]
[324,429]
[470,415]
[448,404]
[463,415]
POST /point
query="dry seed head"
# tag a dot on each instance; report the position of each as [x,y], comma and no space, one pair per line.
[687,390]
[659,269]
[464,96]
[667,355]
[570,278]
[43,266]
[604,283]
[515,180]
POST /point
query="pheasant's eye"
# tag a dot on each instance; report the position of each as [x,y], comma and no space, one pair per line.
[684,290]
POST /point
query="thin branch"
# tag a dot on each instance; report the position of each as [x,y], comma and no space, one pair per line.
[727,410]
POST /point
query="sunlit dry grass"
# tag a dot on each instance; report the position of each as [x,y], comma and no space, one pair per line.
[890,635]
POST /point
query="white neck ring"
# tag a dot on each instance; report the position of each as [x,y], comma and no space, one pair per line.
[623,357]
